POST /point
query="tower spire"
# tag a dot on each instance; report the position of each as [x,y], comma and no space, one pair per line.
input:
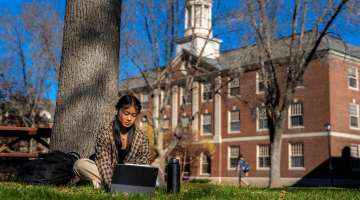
[198,23]
[198,17]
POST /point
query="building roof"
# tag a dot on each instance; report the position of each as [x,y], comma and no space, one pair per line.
[248,55]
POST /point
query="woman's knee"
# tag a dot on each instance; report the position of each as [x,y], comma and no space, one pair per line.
[81,164]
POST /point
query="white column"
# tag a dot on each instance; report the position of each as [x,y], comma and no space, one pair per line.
[217,111]
[156,108]
[202,24]
[210,17]
[174,107]
[193,15]
[195,107]
[186,17]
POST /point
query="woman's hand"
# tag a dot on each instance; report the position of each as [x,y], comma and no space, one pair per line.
[246,174]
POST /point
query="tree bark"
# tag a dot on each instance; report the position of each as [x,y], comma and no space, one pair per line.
[89,74]
[275,155]
[161,161]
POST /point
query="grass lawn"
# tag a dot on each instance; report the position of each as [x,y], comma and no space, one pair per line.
[206,191]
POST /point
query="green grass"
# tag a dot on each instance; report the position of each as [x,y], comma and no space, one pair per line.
[207,191]
[194,180]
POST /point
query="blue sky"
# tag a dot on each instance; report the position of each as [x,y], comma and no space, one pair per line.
[15,5]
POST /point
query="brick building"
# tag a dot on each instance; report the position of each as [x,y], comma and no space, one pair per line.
[328,93]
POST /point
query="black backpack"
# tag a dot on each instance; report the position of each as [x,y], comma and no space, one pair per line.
[56,168]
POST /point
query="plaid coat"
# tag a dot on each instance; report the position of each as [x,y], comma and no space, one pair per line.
[107,153]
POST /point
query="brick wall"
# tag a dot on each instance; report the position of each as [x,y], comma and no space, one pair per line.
[325,96]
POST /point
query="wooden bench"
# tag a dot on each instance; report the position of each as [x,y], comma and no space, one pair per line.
[23,133]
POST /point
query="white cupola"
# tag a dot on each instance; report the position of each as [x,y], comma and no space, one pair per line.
[198,22]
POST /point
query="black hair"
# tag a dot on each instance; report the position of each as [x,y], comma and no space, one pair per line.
[124,102]
[240,156]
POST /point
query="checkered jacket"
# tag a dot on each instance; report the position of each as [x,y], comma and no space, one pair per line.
[107,153]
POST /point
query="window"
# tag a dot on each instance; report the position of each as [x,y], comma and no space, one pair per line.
[264,156]
[205,164]
[167,102]
[353,77]
[259,83]
[166,125]
[234,121]
[185,121]
[262,120]
[187,100]
[296,155]
[296,115]
[145,126]
[206,124]
[207,91]
[354,116]
[301,82]
[233,157]
[234,87]
[355,156]
[145,100]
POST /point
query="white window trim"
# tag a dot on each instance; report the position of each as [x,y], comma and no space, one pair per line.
[164,124]
[202,92]
[162,98]
[182,124]
[229,89]
[289,117]
[357,79]
[257,122]
[201,173]
[257,158]
[257,84]
[357,111]
[228,158]
[181,94]
[201,122]
[355,169]
[142,98]
[289,158]
[229,120]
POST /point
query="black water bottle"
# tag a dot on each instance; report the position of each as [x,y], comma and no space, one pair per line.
[173,176]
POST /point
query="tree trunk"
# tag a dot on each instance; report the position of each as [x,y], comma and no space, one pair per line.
[89,74]
[183,165]
[161,177]
[275,155]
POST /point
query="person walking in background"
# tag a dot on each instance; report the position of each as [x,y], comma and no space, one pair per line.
[240,165]
[156,164]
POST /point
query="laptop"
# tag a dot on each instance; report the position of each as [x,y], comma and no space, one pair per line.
[132,178]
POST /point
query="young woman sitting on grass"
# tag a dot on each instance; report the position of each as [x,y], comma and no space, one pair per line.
[121,141]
